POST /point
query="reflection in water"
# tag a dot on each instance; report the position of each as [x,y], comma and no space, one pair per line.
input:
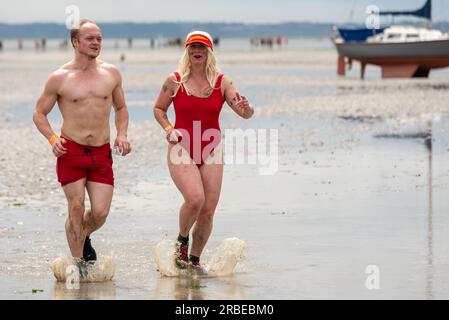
[97,290]
[179,288]
[427,137]
[429,278]
[377,87]
[417,135]
[362,119]
[192,288]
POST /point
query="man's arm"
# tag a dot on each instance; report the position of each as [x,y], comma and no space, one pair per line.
[238,103]
[121,115]
[44,105]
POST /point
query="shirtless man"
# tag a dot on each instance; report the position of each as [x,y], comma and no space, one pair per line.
[85,89]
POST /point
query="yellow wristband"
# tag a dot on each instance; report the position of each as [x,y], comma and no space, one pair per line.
[53,138]
[168,127]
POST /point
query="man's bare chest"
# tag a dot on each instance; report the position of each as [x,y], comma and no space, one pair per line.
[81,88]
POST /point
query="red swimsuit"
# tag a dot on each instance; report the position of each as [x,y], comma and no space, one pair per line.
[198,118]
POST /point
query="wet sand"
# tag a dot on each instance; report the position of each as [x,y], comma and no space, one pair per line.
[358,185]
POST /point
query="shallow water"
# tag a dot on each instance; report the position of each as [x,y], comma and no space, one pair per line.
[358,185]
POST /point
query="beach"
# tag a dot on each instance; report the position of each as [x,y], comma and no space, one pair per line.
[361,183]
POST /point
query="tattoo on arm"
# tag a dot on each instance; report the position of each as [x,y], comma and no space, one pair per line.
[164,88]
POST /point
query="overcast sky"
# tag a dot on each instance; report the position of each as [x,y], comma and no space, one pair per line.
[250,11]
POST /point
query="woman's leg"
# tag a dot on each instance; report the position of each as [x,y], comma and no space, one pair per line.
[212,176]
[187,179]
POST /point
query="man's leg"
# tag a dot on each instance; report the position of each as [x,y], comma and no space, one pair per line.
[75,194]
[100,195]
[212,176]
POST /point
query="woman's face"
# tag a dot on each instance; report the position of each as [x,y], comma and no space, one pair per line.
[197,53]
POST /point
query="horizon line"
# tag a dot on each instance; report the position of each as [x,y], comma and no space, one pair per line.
[199,22]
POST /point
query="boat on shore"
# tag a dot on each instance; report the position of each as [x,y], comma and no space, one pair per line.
[400,51]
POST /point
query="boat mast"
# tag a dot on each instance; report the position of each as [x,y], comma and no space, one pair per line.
[424,12]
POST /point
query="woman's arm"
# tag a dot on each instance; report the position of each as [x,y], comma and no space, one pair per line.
[163,102]
[238,103]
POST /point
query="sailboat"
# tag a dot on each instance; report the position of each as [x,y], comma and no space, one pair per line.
[400,51]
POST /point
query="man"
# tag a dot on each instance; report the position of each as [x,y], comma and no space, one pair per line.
[85,89]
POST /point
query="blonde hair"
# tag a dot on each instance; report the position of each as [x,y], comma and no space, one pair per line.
[75,31]
[212,70]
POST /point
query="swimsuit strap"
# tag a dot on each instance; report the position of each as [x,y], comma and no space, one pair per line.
[217,84]
[219,79]
[177,75]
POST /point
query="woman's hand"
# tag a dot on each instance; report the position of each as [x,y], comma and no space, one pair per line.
[172,135]
[244,106]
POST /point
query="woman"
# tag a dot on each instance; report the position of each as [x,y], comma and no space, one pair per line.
[198,91]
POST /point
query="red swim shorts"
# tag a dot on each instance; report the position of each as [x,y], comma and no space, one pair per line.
[93,163]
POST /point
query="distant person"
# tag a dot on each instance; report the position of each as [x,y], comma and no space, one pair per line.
[44,43]
[280,41]
[37,45]
[197,91]
[216,41]
[122,57]
[85,89]
[64,44]
[151,43]
[255,41]
[130,43]
[1,45]
[20,44]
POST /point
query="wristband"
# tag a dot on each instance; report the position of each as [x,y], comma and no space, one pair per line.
[53,138]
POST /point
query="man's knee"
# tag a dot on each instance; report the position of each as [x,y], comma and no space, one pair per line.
[76,212]
[100,214]
[76,208]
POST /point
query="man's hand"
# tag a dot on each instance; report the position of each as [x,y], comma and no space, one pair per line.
[58,148]
[123,144]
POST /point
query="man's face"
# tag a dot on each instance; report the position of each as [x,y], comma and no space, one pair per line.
[89,40]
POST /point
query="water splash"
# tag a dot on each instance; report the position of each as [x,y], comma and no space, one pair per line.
[102,270]
[226,257]
[222,263]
